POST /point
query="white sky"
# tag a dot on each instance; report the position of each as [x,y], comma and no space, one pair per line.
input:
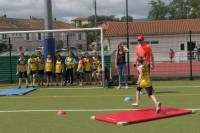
[68,9]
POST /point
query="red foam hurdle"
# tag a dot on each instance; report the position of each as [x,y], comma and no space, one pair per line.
[136,116]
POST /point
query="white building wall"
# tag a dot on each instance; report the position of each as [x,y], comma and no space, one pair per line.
[161,49]
[19,40]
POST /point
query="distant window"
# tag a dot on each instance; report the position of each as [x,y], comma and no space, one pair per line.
[182,47]
[39,37]
[79,36]
[4,36]
[154,42]
[27,36]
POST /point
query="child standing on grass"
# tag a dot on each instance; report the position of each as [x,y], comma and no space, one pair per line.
[40,68]
[95,67]
[69,62]
[80,71]
[32,68]
[22,69]
[49,69]
[145,82]
[59,69]
[87,66]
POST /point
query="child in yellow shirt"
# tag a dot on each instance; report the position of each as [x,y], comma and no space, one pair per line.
[69,62]
[22,69]
[49,68]
[32,68]
[145,82]
[80,70]
[87,67]
[40,68]
[59,69]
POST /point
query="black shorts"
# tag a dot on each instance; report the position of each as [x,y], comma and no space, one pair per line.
[88,72]
[40,72]
[149,90]
[59,73]
[32,73]
[49,73]
[21,74]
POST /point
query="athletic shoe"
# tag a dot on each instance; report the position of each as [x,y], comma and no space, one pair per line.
[135,104]
[119,87]
[126,87]
[158,107]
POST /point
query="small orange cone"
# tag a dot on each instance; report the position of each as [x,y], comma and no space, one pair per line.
[61,112]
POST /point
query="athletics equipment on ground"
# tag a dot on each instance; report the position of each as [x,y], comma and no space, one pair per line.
[16,91]
[141,115]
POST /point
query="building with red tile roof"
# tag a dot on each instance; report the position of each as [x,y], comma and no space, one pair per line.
[31,41]
[160,34]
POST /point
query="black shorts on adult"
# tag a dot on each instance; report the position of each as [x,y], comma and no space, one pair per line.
[32,72]
[21,74]
[49,73]
[41,72]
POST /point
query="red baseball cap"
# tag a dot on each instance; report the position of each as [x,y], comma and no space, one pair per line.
[140,38]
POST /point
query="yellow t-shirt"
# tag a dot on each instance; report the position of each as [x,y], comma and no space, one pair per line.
[87,64]
[48,65]
[58,66]
[80,66]
[32,64]
[95,63]
[69,63]
[21,65]
[40,63]
[145,79]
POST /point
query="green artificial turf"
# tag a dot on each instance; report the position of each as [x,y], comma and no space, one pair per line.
[180,94]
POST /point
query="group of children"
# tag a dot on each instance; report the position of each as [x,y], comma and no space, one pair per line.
[83,66]
[91,66]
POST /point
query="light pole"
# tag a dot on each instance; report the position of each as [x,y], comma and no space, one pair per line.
[127,38]
[49,42]
[95,20]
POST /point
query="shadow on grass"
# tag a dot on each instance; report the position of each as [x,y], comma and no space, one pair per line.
[166,92]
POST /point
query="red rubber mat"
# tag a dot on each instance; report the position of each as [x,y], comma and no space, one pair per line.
[142,115]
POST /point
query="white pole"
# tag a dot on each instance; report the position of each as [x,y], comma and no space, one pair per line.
[47,31]
[102,56]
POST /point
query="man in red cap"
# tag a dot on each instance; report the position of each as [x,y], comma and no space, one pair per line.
[144,50]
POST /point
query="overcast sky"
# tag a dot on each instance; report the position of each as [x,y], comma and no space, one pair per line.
[68,9]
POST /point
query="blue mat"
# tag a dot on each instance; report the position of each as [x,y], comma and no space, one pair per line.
[16,91]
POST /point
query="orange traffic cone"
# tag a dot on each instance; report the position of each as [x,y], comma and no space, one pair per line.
[61,112]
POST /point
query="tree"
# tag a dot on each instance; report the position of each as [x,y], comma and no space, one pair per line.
[194,8]
[102,19]
[179,9]
[158,10]
[130,18]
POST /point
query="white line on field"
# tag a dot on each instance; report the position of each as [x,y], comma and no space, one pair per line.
[177,86]
[74,110]
[74,88]
[67,110]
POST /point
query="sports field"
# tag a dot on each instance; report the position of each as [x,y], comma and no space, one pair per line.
[36,112]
